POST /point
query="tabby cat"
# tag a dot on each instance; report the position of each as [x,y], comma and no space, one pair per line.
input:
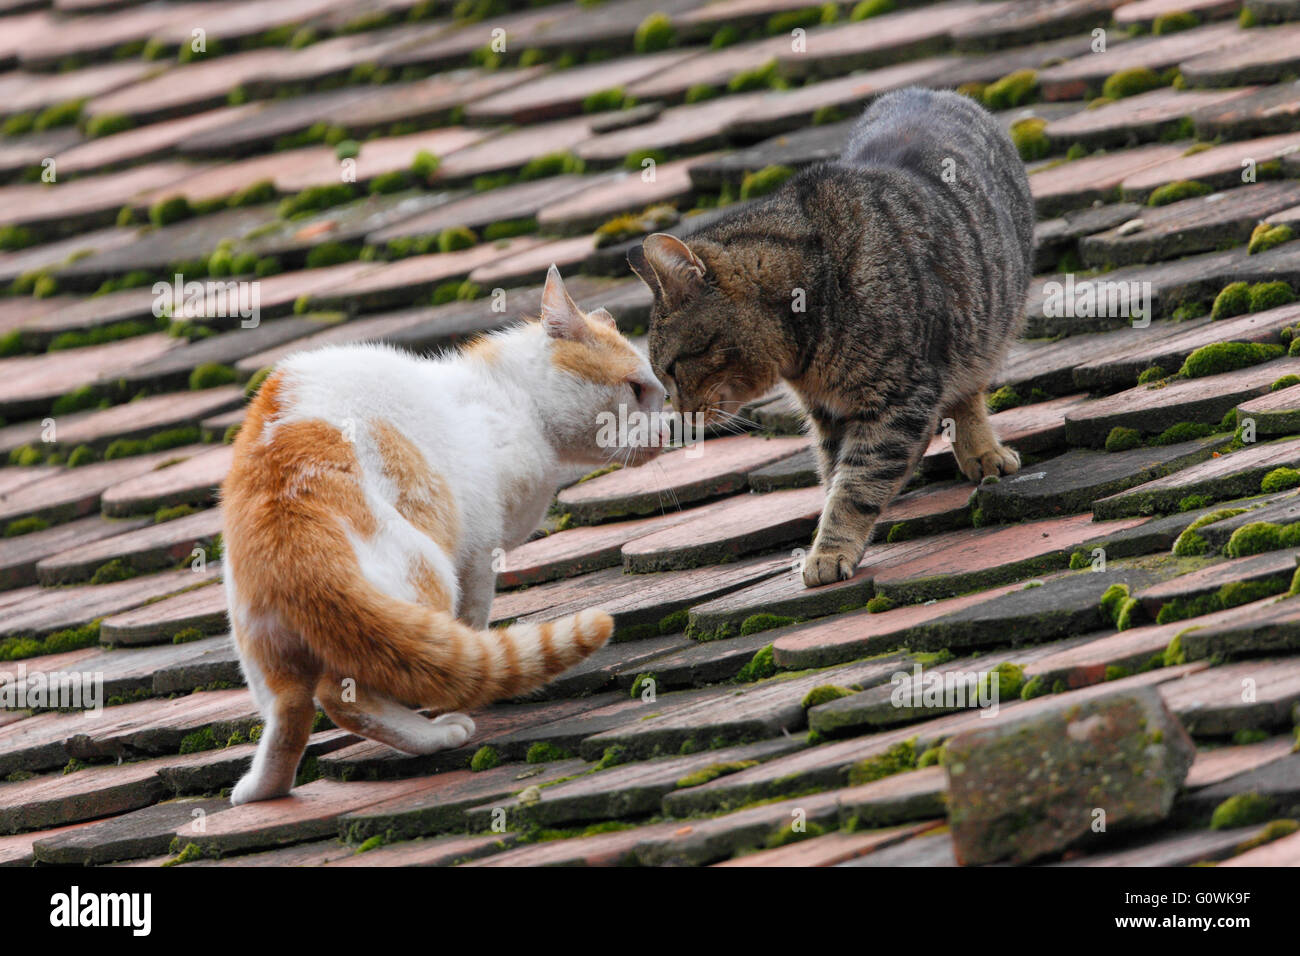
[370,495]
[884,287]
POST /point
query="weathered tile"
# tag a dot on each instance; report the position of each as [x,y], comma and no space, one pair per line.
[1278,781]
[606,849]
[20,556]
[1136,119]
[1273,568]
[32,383]
[728,529]
[145,832]
[1267,111]
[1259,57]
[578,550]
[312,811]
[476,210]
[1227,476]
[53,609]
[927,850]
[622,192]
[203,610]
[1153,408]
[1018,23]
[1121,369]
[439,807]
[849,636]
[562,93]
[1169,849]
[1071,482]
[633,789]
[1275,413]
[831,848]
[444,851]
[1199,224]
[149,548]
[1265,627]
[705,470]
[757,711]
[1217,764]
[1083,76]
[1248,695]
[1283,852]
[641,604]
[1084,182]
[694,127]
[193,481]
[1219,166]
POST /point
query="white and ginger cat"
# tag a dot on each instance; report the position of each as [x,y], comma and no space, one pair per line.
[368,492]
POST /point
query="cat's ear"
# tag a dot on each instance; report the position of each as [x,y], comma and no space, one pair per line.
[561,318]
[677,269]
[602,315]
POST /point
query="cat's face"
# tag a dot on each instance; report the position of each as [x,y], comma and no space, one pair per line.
[609,406]
[705,344]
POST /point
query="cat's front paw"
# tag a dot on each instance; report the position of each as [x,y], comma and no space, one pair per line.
[827,567]
[458,728]
[998,460]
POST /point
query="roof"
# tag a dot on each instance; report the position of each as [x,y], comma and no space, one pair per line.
[379,168]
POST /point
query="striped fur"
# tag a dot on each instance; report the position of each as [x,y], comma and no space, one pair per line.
[884,287]
[369,491]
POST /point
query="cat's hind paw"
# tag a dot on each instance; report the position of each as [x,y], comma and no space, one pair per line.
[998,460]
[827,567]
[457,728]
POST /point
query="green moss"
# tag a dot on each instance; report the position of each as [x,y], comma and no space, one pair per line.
[1280,479]
[22,526]
[1152,373]
[1190,310]
[114,570]
[1177,191]
[871,8]
[674,622]
[545,752]
[167,211]
[551,164]
[789,20]
[762,665]
[1174,22]
[1265,237]
[1007,677]
[1246,737]
[106,124]
[1181,432]
[1232,301]
[601,101]
[1112,601]
[1242,810]
[724,36]
[188,635]
[1219,357]
[1131,82]
[1261,536]
[612,757]
[82,455]
[331,254]
[1232,594]
[1274,830]
[1004,398]
[764,181]
[641,682]
[1123,439]
[1130,612]
[701,92]
[200,740]
[714,771]
[897,759]
[762,77]
[823,694]
[787,834]
[655,33]
[879,604]
[485,758]
[25,456]
[173,512]
[1030,138]
[211,375]
[60,114]
[1034,687]
[508,229]
[1270,295]
[315,198]
[1286,381]
[763,622]
[1014,89]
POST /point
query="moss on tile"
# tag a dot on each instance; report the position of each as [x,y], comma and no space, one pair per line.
[1219,357]
[762,665]
[1014,89]
[899,758]
[1265,237]
[1242,810]
[1178,190]
[485,758]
